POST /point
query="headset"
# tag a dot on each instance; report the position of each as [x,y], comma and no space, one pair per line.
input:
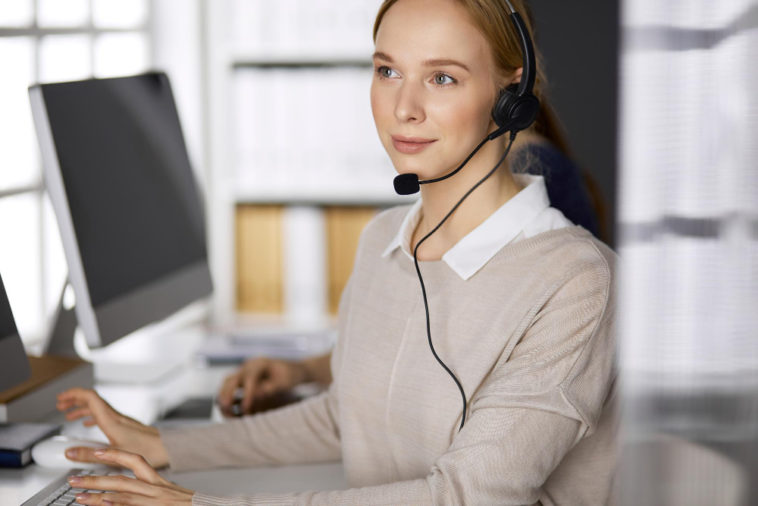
[516,109]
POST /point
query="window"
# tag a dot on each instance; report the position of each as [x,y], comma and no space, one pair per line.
[47,41]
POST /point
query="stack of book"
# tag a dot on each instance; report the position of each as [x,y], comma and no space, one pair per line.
[296,261]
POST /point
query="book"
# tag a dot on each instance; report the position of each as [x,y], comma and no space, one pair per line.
[17,439]
[34,399]
[294,260]
[344,226]
[259,259]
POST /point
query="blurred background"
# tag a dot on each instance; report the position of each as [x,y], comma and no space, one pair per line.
[659,103]
[687,225]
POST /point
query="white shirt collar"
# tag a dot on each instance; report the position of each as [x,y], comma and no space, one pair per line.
[474,250]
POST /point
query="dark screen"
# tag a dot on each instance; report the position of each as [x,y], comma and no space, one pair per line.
[14,366]
[131,192]
[7,323]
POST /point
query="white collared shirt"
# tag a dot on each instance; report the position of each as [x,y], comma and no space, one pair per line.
[525,215]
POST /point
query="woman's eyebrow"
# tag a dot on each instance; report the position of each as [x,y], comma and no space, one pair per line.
[433,62]
[383,56]
[444,62]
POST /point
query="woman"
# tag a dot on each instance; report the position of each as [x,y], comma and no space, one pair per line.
[521,305]
[263,382]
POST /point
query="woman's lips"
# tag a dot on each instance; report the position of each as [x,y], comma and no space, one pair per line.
[411,145]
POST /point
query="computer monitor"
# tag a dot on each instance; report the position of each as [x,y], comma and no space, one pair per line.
[14,368]
[127,203]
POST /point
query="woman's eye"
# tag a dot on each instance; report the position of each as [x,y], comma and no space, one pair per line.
[443,79]
[385,72]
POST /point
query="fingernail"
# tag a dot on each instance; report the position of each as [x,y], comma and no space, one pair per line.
[99,453]
[74,479]
[82,497]
[70,453]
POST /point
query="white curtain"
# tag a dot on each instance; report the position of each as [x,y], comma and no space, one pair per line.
[688,228]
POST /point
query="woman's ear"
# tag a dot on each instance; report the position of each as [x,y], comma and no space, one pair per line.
[514,78]
[517,76]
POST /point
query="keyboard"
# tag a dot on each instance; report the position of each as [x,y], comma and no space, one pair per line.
[60,493]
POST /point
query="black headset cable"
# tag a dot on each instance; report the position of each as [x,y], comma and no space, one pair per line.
[421,279]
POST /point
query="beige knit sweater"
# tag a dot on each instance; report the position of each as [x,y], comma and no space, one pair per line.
[531,338]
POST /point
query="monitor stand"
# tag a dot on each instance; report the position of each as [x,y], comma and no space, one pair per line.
[145,356]
[60,340]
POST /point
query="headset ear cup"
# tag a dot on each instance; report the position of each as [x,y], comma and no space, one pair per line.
[513,112]
[503,104]
[523,112]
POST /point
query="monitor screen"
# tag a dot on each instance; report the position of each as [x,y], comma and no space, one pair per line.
[129,197]
[133,200]
[14,368]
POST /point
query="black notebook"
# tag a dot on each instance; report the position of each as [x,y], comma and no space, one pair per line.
[17,439]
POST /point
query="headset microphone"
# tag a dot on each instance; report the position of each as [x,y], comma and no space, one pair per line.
[408,184]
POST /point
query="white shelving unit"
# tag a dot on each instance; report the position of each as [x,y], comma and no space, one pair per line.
[289,119]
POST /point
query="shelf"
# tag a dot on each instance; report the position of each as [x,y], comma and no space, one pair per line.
[322,198]
[299,62]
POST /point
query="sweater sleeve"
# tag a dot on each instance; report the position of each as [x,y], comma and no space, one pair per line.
[535,406]
[305,432]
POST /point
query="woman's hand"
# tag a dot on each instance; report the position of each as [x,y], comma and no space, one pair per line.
[122,432]
[259,378]
[146,489]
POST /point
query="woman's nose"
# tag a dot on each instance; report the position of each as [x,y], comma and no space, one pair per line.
[409,106]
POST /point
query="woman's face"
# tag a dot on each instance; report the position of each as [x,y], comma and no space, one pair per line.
[433,87]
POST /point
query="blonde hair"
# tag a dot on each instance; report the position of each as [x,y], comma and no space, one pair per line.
[492,18]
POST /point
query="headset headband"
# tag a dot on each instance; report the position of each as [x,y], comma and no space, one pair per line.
[526,85]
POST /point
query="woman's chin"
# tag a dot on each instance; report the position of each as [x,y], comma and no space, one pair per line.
[425,168]
[421,171]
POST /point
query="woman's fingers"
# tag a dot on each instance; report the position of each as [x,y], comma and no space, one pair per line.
[147,488]
[121,431]
[135,463]
[77,413]
[77,396]
[248,392]
[78,402]
[109,499]
[83,454]
[117,483]
[71,393]
[268,387]
[227,391]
